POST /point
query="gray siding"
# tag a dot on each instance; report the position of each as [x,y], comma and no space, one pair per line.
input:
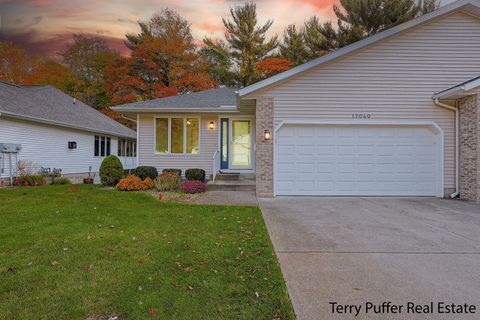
[392,80]
[208,146]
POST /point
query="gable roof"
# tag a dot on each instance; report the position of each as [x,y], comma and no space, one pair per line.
[471,6]
[49,105]
[206,101]
[458,91]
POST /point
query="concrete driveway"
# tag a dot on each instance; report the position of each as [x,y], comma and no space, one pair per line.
[359,250]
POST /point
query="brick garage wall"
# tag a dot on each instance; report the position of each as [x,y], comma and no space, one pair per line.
[470,148]
[264,150]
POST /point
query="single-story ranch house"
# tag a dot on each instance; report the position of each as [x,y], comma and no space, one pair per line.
[57,132]
[396,114]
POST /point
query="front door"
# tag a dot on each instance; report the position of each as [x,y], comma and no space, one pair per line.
[236,144]
[224,138]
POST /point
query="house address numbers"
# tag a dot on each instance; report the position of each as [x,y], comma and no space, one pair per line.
[361,115]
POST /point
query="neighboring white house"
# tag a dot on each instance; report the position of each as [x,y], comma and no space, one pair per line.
[372,118]
[57,132]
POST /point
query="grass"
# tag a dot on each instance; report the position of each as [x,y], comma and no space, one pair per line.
[93,254]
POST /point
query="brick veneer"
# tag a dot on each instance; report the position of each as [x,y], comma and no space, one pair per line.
[264,148]
[470,148]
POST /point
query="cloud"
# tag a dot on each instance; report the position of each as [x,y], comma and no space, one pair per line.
[102,32]
[69,12]
[210,27]
[38,3]
[52,45]
[45,26]
[318,4]
[123,20]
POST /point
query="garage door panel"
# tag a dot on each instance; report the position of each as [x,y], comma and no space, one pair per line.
[355,160]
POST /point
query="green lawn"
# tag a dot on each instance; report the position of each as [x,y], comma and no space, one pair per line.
[99,253]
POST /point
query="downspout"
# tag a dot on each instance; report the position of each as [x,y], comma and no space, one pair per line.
[457,145]
[137,142]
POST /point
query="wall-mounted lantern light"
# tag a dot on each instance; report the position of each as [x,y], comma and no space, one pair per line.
[267,135]
[211,125]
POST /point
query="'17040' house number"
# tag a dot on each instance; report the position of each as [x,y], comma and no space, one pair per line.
[361,115]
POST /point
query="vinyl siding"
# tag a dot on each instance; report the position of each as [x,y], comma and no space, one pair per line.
[392,80]
[203,160]
[246,107]
[47,146]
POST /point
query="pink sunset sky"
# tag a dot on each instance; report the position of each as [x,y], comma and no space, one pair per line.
[45,26]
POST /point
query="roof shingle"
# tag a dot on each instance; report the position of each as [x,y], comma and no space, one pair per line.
[48,104]
[208,99]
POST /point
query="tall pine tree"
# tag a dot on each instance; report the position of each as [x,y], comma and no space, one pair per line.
[319,38]
[358,19]
[247,42]
[293,47]
[220,64]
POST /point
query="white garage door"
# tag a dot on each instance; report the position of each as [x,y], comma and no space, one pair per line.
[356,160]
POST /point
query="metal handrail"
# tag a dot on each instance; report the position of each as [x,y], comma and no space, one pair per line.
[215,167]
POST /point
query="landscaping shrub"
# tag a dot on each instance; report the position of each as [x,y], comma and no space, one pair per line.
[131,183]
[144,172]
[178,172]
[193,186]
[195,174]
[30,179]
[61,180]
[129,172]
[111,170]
[149,183]
[168,181]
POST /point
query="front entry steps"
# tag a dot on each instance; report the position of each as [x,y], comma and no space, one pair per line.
[232,182]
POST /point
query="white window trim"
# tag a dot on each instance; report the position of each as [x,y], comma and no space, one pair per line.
[253,133]
[169,153]
[100,146]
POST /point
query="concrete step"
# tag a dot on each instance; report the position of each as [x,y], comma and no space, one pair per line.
[234,176]
[226,185]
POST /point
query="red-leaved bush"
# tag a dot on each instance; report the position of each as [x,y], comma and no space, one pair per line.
[193,186]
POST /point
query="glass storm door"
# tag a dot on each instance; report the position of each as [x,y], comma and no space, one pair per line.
[241,144]
[224,144]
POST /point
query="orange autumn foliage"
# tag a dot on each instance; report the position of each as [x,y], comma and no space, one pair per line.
[22,68]
[149,183]
[271,66]
[134,183]
[164,62]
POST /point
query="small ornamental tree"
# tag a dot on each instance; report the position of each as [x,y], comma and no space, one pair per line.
[111,170]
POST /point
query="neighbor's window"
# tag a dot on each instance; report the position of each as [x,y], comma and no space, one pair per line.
[120,147]
[177,135]
[96,147]
[109,146]
[126,148]
[102,146]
